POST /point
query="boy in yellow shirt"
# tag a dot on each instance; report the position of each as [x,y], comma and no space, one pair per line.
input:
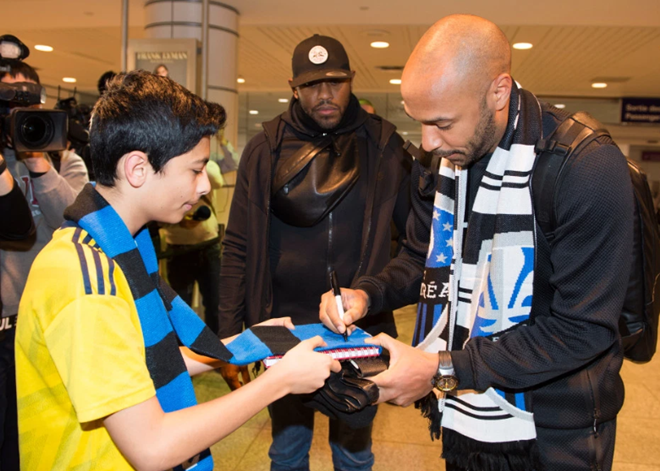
[102,382]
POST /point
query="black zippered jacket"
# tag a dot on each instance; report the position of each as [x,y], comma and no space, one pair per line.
[570,356]
[246,296]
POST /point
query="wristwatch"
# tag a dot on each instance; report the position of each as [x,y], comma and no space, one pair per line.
[445,379]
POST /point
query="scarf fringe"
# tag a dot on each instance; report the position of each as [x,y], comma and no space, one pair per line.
[428,406]
[479,456]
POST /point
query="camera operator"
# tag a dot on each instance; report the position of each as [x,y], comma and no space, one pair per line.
[15,216]
[48,192]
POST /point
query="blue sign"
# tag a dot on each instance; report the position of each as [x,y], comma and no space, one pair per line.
[640,110]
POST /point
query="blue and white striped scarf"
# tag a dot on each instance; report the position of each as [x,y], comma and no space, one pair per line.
[479,273]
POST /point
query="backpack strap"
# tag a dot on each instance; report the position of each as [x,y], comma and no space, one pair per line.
[572,135]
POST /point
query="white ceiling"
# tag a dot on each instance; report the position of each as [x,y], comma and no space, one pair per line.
[575,41]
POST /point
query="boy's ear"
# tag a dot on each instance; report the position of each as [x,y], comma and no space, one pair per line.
[136,168]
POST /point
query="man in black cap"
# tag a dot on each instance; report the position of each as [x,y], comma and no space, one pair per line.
[315,192]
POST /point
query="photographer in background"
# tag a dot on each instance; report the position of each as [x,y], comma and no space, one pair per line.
[48,193]
[15,216]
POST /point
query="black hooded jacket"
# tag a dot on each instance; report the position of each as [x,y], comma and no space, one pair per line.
[246,278]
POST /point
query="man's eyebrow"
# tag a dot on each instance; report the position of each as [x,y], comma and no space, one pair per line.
[433,120]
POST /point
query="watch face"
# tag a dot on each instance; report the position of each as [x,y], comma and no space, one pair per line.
[446,383]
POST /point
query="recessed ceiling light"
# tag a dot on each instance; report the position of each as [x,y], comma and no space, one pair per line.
[405,133]
[561,106]
[523,46]
[599,85]
[395,81]
[69,80]
[380,44]
[283,100]
[43,48]
[240,80]
[254,112]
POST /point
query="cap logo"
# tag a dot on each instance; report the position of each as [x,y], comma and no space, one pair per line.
[318,55]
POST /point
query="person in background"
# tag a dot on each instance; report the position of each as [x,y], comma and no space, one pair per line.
[194,248]
[48,192]
[15,215]
[103,81]
[162,70]
[288,229]
[367,106]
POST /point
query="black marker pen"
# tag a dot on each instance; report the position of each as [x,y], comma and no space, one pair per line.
[337,292]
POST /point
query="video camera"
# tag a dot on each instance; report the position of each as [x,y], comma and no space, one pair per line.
[21,128]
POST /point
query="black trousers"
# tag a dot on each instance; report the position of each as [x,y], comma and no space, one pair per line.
[573,450]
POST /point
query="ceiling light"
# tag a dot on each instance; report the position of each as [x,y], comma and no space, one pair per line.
[395,81]
[523,46]
[403,102]
[561,106]
[283,100]
[599,85]
[254,112]
[240,80]
[43,48]
[405,133]
[380,44]
[69,80]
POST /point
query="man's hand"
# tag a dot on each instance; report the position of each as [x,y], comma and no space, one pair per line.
[36,162]
[302,369]
[356,305]
[409,376]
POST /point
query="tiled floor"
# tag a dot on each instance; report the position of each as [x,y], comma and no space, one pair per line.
[401,440]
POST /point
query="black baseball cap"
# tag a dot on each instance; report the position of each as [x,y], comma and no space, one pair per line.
[319,58]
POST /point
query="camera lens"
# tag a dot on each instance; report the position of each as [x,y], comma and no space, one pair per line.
[36,131]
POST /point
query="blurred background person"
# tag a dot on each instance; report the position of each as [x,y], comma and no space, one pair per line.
[48,192]
[162,70]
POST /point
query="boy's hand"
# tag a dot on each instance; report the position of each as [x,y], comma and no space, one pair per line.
[282,321]
[304,370]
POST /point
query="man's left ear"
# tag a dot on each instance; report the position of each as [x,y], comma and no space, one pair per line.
[293,89]
[501,88]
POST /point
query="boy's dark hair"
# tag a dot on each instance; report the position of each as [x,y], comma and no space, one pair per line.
[145,112]
[19,67]
[103,81]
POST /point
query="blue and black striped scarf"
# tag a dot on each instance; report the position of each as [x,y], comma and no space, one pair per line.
[166,319]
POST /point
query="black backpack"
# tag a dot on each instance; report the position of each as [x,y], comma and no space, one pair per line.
[638,323]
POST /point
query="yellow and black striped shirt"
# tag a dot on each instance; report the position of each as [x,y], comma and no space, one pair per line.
[80,356]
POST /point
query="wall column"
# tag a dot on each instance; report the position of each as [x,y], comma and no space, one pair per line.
[183,19]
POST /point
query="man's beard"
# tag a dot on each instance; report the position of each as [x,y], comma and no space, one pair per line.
[481,141]
[325,122]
